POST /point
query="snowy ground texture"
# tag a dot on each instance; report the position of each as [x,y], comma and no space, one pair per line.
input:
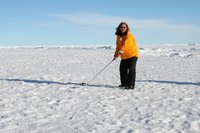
[41,91]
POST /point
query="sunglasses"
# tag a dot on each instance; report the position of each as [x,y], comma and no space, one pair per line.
[123,27]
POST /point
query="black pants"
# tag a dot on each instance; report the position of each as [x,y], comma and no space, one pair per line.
[128,71]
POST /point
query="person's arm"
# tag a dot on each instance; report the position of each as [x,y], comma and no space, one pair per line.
[116,55]
[119,48]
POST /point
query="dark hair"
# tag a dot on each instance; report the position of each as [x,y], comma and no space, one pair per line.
[118,31]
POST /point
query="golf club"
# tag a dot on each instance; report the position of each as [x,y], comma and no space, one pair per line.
[98,73]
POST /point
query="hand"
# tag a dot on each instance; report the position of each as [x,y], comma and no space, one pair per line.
[115,57]
[121,51]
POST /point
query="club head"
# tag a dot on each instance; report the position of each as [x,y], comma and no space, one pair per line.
[84,84]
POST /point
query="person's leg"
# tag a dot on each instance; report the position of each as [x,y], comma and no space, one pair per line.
[132,72]
[123,73]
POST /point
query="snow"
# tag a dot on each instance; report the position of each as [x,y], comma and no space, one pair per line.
[41,91]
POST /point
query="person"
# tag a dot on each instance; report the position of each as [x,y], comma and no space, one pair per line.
[127,49]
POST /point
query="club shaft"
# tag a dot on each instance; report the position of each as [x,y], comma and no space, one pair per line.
[100,72]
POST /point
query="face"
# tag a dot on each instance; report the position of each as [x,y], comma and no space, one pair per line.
[123,28]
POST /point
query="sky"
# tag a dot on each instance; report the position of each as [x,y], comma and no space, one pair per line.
[92,22]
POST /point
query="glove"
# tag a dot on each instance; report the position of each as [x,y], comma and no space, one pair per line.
[115,57]
[117,54]
[121,51]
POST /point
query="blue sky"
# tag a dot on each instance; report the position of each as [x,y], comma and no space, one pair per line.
[92,22]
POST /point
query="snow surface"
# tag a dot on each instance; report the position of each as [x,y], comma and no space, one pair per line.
[41,91]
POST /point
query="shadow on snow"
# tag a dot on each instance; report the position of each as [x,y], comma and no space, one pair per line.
[55,82]
[74,85]
[170,82]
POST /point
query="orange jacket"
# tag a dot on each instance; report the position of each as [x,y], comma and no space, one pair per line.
[126,47]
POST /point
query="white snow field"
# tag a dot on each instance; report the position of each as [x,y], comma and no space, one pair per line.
[41,91]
